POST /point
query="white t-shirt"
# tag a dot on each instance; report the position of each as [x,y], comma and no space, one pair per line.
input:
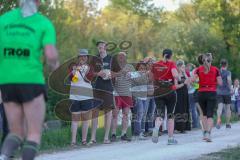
[81,90]
[235,93]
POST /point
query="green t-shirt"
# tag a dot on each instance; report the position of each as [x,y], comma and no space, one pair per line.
[22,41]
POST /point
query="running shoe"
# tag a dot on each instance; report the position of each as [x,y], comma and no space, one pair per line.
[172,141]
[204,135]
[142,137]
[155,135]
[228,126]
[113,138]
[125,138]
[218,125]
[208,137]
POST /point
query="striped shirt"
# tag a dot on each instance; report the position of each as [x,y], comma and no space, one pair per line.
[123,82]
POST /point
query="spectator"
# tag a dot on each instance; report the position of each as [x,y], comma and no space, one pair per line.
[103,91]
[149,124]
[192,103]
[81,94]
[182,115]
[140,94]
[236,97]
[123,96]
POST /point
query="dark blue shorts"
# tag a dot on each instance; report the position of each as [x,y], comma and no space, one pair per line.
[84,105]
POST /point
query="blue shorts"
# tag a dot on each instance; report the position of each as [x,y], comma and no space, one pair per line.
[84,105]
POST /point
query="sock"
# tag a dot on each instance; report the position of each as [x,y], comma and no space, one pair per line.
[30,150]
[10,145]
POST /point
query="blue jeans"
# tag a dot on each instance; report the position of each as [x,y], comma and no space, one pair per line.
[149,124]
[193,111]
[140,110]
[234,107]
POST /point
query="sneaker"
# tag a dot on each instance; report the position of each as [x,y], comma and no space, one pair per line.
[208,137]
[172,141]
[147,134]
[142,137]
[125,138]
[204,135]
[113,138]
[155,135]
[218,125]
[228,126]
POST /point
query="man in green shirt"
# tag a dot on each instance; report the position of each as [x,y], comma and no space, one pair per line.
[25,37]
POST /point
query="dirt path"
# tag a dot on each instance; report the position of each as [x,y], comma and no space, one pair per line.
[190,146]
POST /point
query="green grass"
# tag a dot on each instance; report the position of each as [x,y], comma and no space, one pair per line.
[234,118]
[57,140]
[226,154]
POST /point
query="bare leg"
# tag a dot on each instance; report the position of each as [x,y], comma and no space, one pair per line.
[125,120]
[219,113]
[107,124]
[15,118]
[94,124]
[34,112]
[158,122]
[228,113]
[170,127]
[74,126]
[205,124]
[115,120]
[209,124]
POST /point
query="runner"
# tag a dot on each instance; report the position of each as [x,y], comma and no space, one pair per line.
[165,72]
[209,77]
[224,95]
[24,35]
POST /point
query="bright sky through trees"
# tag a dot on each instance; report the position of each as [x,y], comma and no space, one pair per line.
[167,4]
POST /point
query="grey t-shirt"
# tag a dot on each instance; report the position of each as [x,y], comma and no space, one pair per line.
[225,89]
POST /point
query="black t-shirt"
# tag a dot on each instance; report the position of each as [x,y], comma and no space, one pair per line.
[100,83]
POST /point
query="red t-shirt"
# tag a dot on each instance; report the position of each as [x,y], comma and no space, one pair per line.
[163,70]
[207,82]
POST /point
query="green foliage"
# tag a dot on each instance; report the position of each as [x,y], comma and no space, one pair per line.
[202,26]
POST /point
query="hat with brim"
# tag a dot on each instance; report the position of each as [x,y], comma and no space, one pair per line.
[83,52]
[100,41]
